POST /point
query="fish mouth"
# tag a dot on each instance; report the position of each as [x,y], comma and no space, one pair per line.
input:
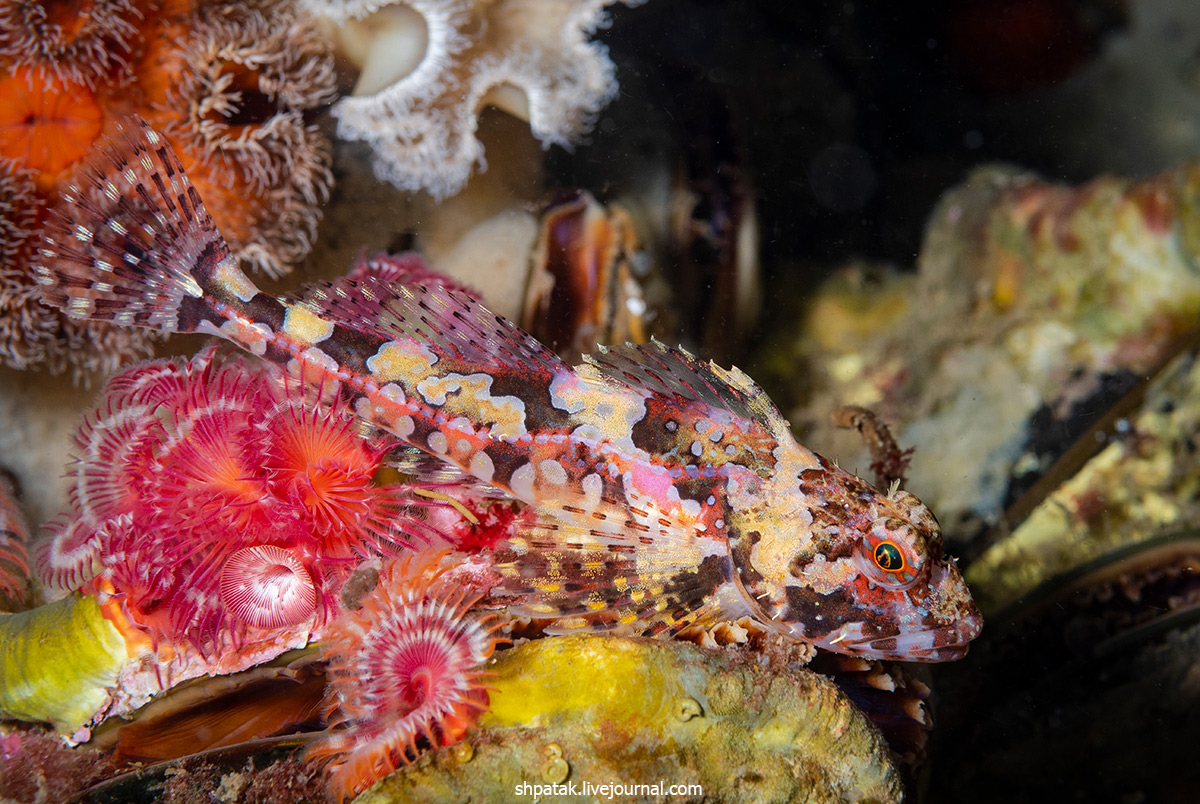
[953,606]
[944,643]
[947,623]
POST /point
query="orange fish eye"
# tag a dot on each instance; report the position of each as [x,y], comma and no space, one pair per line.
[888,557]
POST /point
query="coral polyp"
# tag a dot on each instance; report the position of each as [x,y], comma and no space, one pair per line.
[46,124]
[403,668]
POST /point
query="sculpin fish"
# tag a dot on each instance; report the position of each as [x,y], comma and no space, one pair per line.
[662,490]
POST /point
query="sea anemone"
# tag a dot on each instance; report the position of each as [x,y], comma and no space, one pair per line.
[47,127]
[232,88]
[45,124]
[430,66]
[233,85]
[78,42]
[405,666]
[14,541]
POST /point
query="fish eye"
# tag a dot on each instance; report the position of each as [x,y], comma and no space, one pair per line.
[888,557]
[892,554]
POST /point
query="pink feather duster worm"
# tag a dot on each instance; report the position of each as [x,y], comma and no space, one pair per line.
[404,672]
[218,501]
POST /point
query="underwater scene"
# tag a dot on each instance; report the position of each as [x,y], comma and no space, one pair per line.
[673,401]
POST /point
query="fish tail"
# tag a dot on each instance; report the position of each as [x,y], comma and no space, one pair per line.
[130,241]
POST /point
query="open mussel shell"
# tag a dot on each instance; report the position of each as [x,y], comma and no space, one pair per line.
[271,769]
[1129,476]
[1087,688]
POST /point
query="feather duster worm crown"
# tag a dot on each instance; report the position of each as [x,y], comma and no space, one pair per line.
[404,666]
[219,501]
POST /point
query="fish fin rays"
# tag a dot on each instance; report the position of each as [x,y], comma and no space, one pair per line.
[611,583]
[451,322]
[131,238]
[716,415]
[657,369]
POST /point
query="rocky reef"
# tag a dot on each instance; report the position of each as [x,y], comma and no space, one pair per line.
[1043,363]
[1031,373]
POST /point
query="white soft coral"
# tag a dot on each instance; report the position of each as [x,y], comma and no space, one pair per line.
[429,66]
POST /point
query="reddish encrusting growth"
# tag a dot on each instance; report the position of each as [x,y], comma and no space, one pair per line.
[405,670]
[218,501]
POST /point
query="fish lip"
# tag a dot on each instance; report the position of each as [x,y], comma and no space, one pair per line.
[947,642]
[953,635]
[959,634]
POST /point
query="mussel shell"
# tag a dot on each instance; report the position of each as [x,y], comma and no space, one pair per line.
[1088,688]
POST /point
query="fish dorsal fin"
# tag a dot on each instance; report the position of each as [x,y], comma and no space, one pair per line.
[695,410]
[657,369]
[451,322]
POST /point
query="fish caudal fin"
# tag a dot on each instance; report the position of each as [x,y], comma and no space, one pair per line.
[130,240]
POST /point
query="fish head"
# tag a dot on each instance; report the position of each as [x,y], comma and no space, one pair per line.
[852,570]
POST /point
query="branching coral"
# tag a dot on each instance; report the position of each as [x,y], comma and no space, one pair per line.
[404,666]
[430,66]
[216,501]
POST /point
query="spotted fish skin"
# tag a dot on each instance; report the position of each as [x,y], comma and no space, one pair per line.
[662,491]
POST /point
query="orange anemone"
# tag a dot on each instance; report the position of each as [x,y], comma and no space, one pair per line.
[46,125]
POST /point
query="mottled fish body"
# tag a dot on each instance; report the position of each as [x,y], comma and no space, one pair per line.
[663,490]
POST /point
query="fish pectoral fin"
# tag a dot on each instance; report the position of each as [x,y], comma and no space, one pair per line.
[609,585]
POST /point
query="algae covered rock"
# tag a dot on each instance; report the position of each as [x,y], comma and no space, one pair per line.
[1035,304]
[642,716]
